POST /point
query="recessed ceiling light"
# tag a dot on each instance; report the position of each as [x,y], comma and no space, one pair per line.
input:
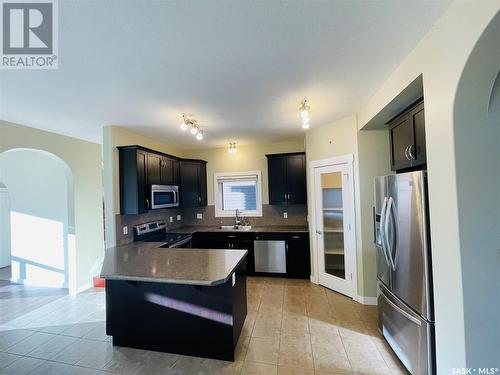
[232,148]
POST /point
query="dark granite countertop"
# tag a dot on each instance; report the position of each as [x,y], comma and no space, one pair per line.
[146,261]
[256,229]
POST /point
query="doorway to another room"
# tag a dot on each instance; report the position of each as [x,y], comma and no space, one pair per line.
[333,224]
[37,219]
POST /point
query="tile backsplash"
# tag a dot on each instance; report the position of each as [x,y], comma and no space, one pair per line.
[271,215]
[131,220]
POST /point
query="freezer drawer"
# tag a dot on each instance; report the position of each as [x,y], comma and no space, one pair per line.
[270,256]
[409,335]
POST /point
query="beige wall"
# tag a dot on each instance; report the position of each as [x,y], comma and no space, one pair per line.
[84,160]
[371,158]
[477,139]
[114,136]
[248,158]
[441,57]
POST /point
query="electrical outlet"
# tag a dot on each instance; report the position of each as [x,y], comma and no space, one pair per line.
[125,230]
[171,219]
[199,216]
[178,217]
[285,215]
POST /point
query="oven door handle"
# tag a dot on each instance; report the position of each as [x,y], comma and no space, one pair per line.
[181,242]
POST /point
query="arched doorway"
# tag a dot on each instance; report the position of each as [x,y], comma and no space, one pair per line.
[477,138]
[5,272]
[41,213]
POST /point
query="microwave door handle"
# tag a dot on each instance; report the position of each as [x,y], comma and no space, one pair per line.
[386,229]
[382,234]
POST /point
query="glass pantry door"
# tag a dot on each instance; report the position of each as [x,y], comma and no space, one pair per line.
[334,229]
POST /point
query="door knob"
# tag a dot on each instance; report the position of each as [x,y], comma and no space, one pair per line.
[319,232]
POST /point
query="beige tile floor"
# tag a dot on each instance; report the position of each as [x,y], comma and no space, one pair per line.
[292,327]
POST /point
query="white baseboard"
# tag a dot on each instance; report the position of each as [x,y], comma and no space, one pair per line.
[29,282]
[366,300]
[313,279]
[83,288]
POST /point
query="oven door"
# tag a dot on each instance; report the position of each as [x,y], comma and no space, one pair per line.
[164,196]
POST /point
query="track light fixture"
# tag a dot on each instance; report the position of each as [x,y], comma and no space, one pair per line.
[193,127]
[304,114]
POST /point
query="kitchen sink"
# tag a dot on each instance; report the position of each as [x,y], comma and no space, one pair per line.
[241,228]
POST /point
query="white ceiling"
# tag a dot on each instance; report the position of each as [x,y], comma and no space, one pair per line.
[240,68]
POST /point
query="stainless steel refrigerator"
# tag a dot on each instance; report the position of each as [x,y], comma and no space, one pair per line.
[406,317]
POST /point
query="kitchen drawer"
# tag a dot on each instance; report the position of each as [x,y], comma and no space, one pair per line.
[409,335]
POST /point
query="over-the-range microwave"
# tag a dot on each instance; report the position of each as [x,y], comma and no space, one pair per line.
[164,196]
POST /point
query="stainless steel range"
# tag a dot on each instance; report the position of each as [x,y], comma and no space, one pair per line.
[155,231]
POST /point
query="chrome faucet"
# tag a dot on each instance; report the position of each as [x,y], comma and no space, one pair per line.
[237,218]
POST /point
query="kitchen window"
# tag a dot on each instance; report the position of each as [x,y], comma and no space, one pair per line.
[238,191]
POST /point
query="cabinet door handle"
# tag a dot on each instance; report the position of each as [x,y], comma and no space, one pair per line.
[231,236]
[199,199]
[285,196]
[147,204]
[406,153]
[296,237]
[286,248]
[410,152]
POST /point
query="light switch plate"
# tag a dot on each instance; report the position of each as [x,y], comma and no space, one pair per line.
[125,230]
[285,215]
[178,217]
[199,216]
[171,219]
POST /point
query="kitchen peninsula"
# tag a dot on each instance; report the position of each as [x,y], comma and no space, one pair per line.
[183,301]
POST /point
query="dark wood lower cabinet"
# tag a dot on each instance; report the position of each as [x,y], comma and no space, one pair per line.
[298,262]
[298,257]
[201,321]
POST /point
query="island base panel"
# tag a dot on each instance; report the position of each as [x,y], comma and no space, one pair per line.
[202,321]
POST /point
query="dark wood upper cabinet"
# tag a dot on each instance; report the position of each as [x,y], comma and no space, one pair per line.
[276,167]
[401,139]
[287,178]
[296,179]
[407,138]
[162,170]
[193,183]
[134,198]
[154,169]
[139,169]
[418,120]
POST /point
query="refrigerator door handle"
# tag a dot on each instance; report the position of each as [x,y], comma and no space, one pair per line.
[382,234]
[401,311]
[386,233]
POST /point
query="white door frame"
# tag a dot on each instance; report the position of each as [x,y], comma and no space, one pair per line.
[348,161]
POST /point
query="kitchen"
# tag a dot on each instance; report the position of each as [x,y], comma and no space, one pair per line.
[162,184]
[293,196]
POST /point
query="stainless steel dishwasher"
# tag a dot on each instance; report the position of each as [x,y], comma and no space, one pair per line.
[270,256]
